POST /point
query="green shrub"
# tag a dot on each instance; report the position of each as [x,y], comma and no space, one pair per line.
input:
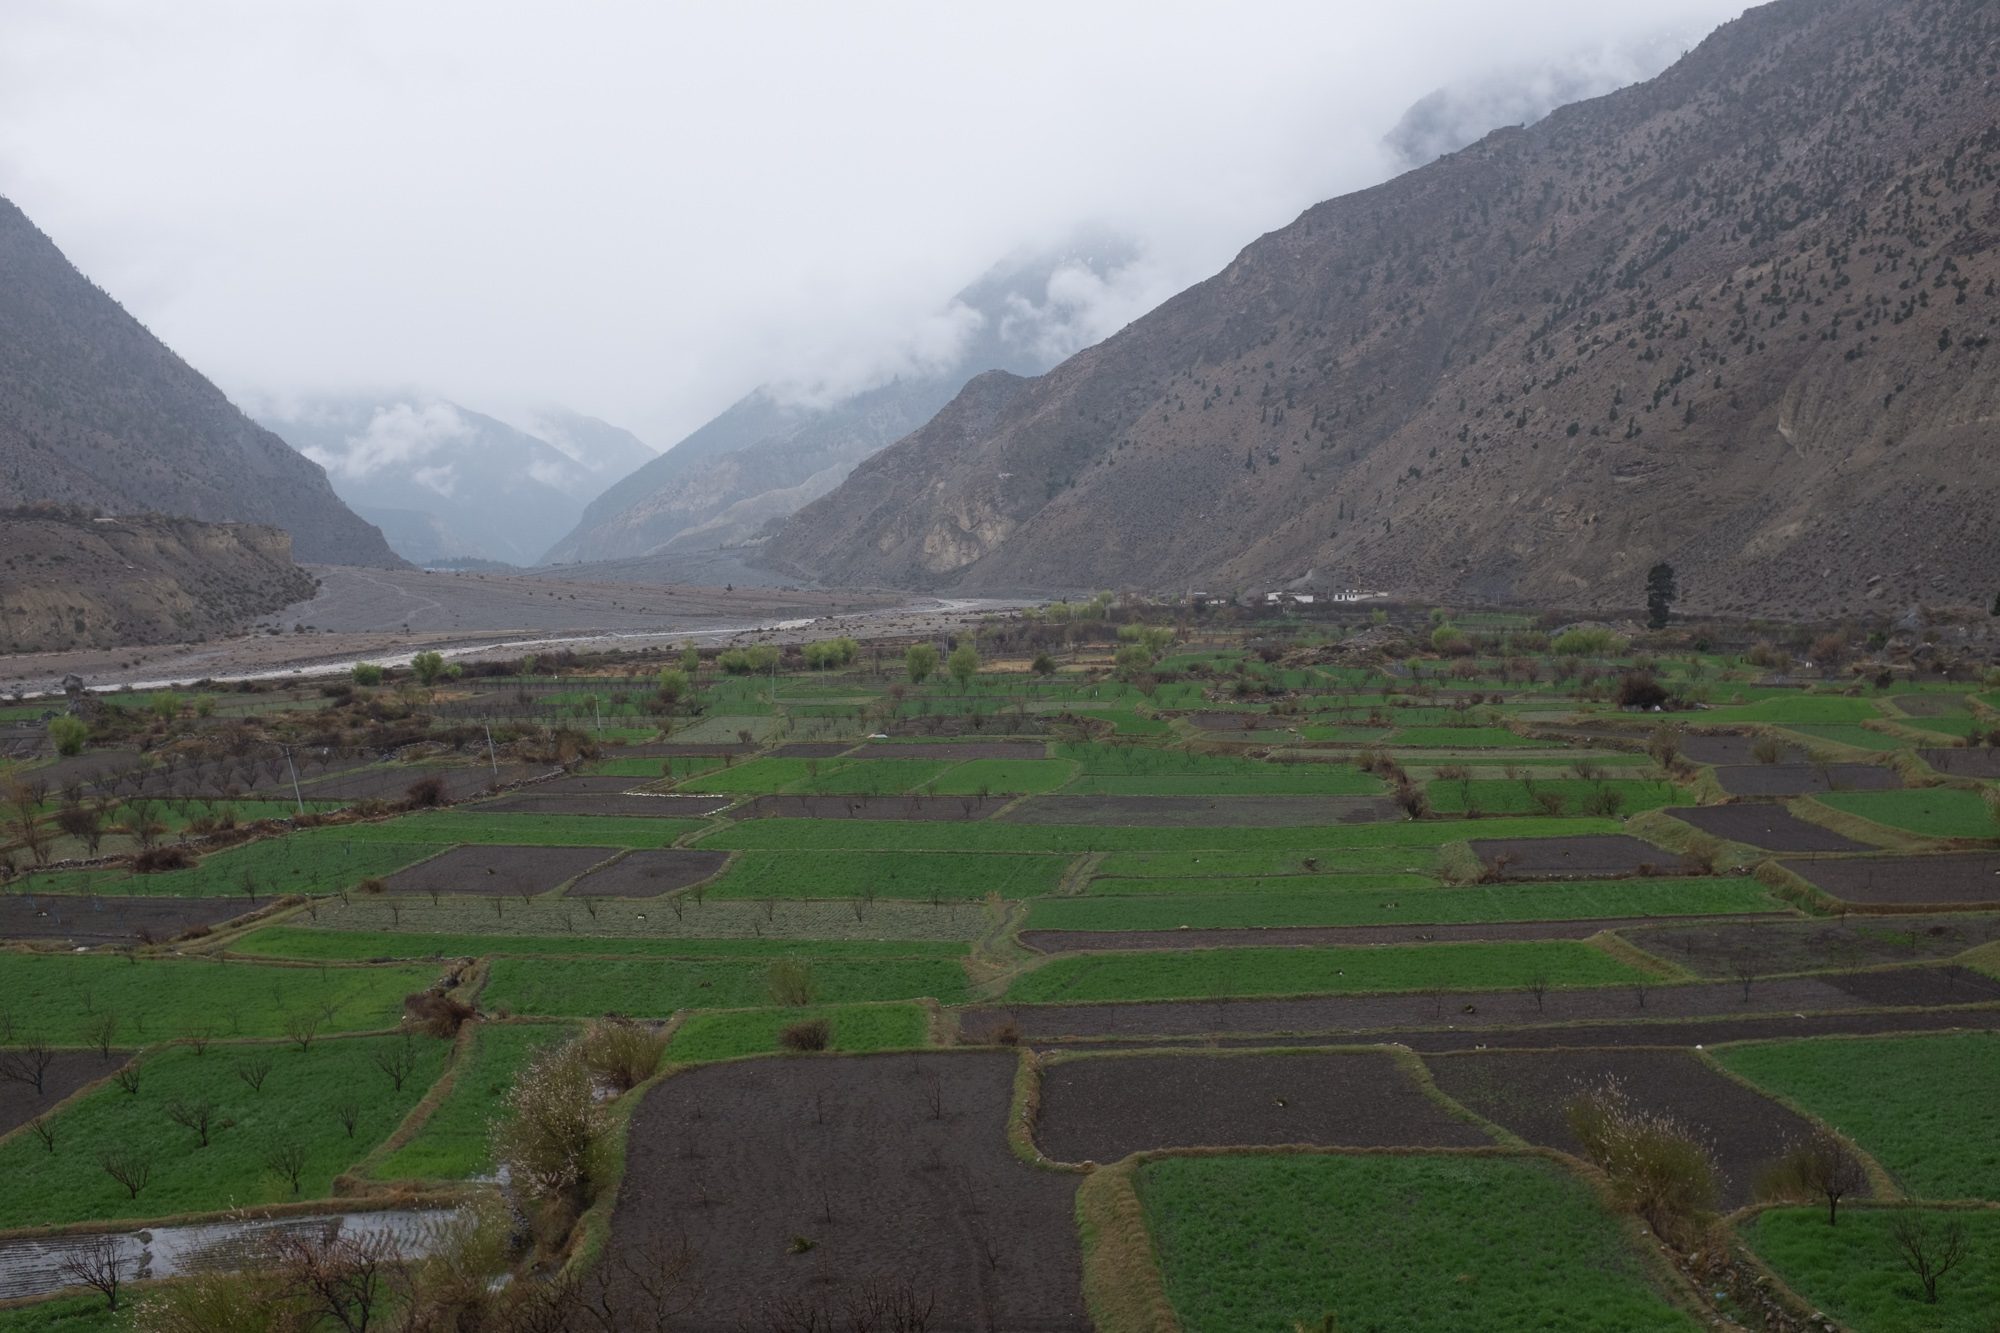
[366,673]
[68,735]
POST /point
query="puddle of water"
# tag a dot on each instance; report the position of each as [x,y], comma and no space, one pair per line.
[33,1266]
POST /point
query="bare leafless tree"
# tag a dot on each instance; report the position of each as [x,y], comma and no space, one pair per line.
[130,1169]
[254,1070]
[198,1117]
[128,1078]
[397,1060]
[1930,1246]
[103,1031]
[348,1112]
[98,1262]
[302,1027]
[44,1132]
[28,1064]
[287,1161]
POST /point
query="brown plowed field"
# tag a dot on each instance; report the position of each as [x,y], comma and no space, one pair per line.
[1963,879]
[812,749]
[1930,985]
[69,1071]
[1070,941]
[1527,1091]
[893,1167]
[1608,854]
[1760,824]
[1964,761]
[1567,1036]
[391,784]
[589,784]
[1725,748]
[1714,947]
[672,750]
[1105,1109]
[954,750]
[80,919]
[957,724]
[648,874]
[869,807]
[1343,1014]
[488,870]
[1203,811]
[1799,779]
[534,801]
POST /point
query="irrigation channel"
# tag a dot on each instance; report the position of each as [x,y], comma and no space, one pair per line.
[32,1265]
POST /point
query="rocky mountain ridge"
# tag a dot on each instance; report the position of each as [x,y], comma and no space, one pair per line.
[1736,318]
[96,411]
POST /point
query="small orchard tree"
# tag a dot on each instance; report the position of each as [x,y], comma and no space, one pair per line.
[68,735]
[427,667]
[920,661]
[964,665]
[367,673]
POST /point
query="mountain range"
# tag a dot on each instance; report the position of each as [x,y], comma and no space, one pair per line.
[1736,318]
[777,448]
[97,412]
[446,483]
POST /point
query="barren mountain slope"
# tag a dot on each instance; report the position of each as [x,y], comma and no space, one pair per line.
[1736,317]
[768,455]
[94,410]
[68,580]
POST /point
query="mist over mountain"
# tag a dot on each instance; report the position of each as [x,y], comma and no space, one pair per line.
[447,483]
[1464,112]
[786,444]
[95,411]
[1736,318]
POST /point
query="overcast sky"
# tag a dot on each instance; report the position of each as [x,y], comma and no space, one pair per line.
[643,210]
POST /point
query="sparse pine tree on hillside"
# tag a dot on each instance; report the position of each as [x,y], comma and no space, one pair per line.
[1660,594]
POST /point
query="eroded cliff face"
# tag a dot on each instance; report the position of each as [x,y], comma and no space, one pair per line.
[1737,318]
[70,580]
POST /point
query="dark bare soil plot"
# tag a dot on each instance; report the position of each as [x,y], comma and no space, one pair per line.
[1716,948]
[389,784]
[1700,1031]
[1800,779]
[960,724]
[1229,721]
[893,1168]
[1965,879]
[65,1073]
[1964,761]
[673,750]
[1918,986]
[1071,941]
[1343,1015]
[1203,811]
[1718,747]
[589,784]
[1930,705]
[812,749]
[648,874]
[489,870]
[534,801]
[1527,1092]
[86,919]
[850,806]
[1103,1109]
[1592,856]
[1761,824]
[954,750]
